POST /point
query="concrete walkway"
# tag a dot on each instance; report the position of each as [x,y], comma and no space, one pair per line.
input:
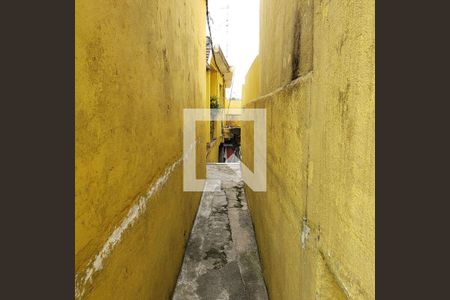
[221,259]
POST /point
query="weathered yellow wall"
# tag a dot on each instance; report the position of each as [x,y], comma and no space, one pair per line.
[286,34]
[320,150]
[212,155]
[251,88]
[137,65]
[233,106]
[208,87]
[214,79]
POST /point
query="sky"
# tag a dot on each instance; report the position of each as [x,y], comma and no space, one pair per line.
[240,39]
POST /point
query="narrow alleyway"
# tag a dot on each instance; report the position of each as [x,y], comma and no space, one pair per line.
[221,259]
[145,69]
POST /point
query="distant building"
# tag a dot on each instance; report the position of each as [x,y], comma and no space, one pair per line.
[218,77]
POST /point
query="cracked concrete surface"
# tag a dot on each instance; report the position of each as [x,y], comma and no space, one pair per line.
[221,259]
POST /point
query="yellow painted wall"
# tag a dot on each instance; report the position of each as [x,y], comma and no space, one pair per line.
[217,85]
[233,104]
[320,151]
[286,35]
[212,147]
[236,106]
[208,87]
[212,155]
[215,88]
[251,88]
[137,65]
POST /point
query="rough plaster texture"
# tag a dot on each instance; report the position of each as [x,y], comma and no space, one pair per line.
[315,224]
[137,65]
[221,259]
[286,36]
[251,88]
[212,155]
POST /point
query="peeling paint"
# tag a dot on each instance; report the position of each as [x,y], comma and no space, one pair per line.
[133,214]
[320,151]
[96,264]
[134,77]
[305,232]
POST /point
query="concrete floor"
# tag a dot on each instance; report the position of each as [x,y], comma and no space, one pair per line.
[221,259]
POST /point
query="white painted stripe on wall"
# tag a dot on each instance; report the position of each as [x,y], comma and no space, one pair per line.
[96,264]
